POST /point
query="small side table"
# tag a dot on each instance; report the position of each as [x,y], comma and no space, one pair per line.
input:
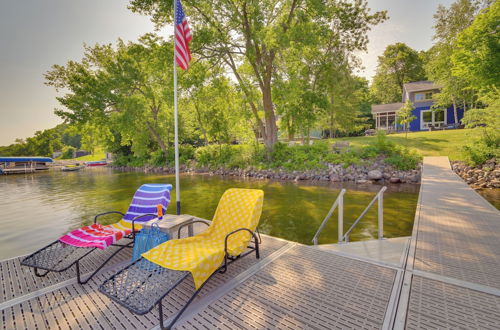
[170,224]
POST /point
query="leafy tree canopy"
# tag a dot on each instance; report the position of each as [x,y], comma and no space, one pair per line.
[477,55]
[398,65]
[249,38]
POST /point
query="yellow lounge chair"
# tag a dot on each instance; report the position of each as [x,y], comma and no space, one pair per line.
[144,283]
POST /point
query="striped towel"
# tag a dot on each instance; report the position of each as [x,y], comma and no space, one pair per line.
[145,200]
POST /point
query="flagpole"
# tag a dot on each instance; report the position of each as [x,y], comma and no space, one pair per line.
[176,127]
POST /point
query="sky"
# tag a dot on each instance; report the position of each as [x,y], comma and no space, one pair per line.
[36,34]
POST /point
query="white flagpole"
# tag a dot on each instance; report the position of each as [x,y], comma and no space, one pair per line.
[176,128]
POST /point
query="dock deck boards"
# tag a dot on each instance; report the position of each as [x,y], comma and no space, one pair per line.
[303,289]
[455,263]
[447,278]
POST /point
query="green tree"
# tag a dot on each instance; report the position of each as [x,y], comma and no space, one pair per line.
[476,57]
[398,65]
[449,22]
[405,116]
[127,89]
[248,37]
[487,120]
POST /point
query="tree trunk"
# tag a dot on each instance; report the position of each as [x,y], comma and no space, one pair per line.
[158,138]
[271,136]
[455,114]
[332,115]
[291,133]
[198,117]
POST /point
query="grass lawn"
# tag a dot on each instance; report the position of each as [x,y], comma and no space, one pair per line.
[438,143]
[90,158]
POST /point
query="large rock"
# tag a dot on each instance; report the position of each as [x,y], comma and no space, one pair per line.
[335,178]
[394,180]
[375,175]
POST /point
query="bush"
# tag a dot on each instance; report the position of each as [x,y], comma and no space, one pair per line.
[382,145]
[300,157]
[128,160]
[481,151]
[403,159]
[229,156]
[487,121]
[67,152]
[186,154]
[213,156]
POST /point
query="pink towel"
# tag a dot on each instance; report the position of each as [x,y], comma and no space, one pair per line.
[96,235]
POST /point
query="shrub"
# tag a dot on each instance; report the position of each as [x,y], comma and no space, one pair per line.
[128,160]
[215,156]
[300,157]
[403,159]
[382,145]
[480,152]
[186,154]
[487,121]
[67,152]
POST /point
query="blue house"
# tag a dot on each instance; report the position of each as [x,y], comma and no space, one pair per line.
[420,94]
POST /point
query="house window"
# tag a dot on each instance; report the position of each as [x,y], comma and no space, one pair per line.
[436,118]
[386,120]
[423,96]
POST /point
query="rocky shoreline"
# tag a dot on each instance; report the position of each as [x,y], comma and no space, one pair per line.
[482,176]
[361,174]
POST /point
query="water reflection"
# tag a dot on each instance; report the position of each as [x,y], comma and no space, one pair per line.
[38,208]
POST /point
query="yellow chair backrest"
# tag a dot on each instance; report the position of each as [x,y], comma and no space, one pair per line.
[238,208]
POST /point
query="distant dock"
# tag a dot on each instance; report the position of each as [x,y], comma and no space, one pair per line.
[20,165]
[446,275]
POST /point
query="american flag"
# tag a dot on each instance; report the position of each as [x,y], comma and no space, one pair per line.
[182,37]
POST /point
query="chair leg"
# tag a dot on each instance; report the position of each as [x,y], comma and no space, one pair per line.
[224,268]
[41,275]
[179,314]
[160,311]
[257,251]
[77,265]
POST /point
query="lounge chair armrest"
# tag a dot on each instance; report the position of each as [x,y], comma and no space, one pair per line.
[190,223]
[141,216]
[110,212]
[254,235]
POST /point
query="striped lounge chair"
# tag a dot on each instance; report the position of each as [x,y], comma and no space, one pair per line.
[69,249]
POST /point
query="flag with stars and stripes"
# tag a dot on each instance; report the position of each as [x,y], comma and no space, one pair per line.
[182,37]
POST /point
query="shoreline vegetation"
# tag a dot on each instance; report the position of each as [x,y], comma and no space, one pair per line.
[363,160]
[381,160]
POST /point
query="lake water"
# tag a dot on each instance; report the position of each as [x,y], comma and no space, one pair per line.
[36,209]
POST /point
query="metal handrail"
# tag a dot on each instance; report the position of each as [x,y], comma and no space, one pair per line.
[340,203]
[380,197]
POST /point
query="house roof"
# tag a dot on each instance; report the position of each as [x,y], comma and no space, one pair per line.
[418,86]
[376,108]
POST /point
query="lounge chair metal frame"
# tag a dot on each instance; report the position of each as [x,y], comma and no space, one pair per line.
[76,262]
[175,276]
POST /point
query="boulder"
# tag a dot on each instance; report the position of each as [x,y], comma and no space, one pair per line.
[394,180]
[335,178]
[375,175]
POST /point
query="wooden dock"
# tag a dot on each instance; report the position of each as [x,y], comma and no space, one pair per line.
[447,275]
[17,170]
